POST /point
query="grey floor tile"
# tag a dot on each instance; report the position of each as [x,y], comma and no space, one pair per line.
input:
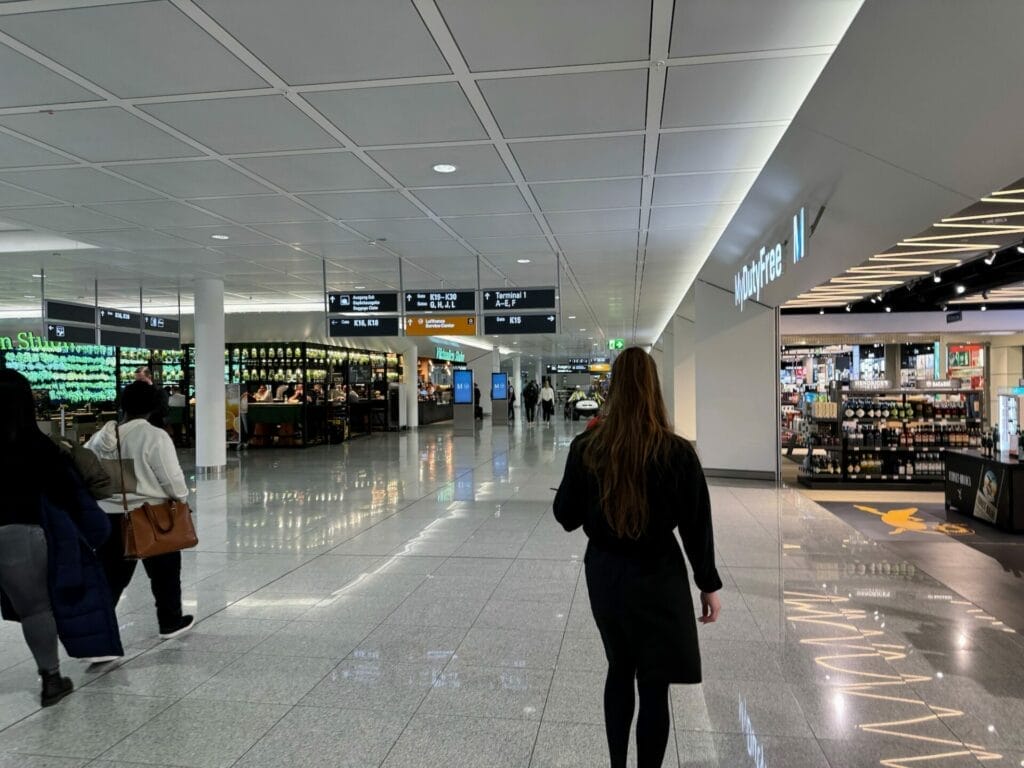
[434,741]
[309,639]
[508,614]
[38,761]
[486,647]
[265,679]
[219,732]
[219,634]
[575,745]
[405,644]
[488,692]
[326,738]
[577,696]
[363,684]
[167,673]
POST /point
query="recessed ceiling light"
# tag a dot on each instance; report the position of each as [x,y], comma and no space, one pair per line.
[936,278]
[1020,249]
[445,168]
[821,311]
[524,261]
[572,317]
[984,308]
[360,287]
[37,275]
[583,330]
[28,296]
[849,308]
[960,289]
[220,237]
[990,259]
[888,309]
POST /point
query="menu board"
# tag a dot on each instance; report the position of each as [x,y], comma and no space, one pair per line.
[440,301]
[518,298]
[363,326]
[360,303]
[512,324]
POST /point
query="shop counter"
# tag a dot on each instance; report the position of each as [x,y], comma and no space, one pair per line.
[990,488]
[275,424]
[431,412]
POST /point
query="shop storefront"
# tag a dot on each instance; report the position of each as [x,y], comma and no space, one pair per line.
[434,384]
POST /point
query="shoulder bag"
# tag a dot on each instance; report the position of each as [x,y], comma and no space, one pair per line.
[154,529]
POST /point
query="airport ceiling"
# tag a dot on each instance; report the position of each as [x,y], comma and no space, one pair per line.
[144,144]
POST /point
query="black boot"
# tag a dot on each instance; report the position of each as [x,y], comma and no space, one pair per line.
[55,688]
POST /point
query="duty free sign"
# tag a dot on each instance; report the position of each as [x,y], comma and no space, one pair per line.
[768,265]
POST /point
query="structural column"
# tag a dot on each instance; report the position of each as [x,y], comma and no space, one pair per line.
[211,443]
[517,375]
[412,399]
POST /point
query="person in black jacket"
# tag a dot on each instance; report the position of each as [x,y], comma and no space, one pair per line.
[631,483]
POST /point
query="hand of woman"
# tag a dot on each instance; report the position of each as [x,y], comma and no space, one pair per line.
[711,606]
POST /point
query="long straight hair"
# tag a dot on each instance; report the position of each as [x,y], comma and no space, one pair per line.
[633,435]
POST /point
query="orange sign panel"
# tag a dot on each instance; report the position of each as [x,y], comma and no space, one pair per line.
[441,325]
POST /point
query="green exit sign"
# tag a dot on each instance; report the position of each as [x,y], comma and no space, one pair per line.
[616,343]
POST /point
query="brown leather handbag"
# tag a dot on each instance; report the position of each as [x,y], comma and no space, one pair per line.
[154,529]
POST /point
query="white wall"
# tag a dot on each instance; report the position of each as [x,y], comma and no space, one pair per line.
[684,415]
[736,360]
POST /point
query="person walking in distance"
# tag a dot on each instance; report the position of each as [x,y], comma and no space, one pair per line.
[631,483]
[159,478]
[531,393]
[547,400]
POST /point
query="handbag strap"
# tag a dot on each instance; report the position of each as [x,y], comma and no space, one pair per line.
[120,466]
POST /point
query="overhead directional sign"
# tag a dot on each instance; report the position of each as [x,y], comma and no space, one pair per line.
[362,302]
[440,301]
[162,324]
[363,326]
[73,334]
[110,338]
[441,325]
[71,313]
[118,318]
[518,298]
[616,344]
[512,324]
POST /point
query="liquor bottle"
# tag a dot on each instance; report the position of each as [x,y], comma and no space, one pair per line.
[901,470]
[910,467]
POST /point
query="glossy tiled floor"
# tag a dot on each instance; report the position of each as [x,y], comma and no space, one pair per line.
[408,602]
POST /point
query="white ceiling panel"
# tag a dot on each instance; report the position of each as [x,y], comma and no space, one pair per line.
[676,242]
[705,27]
[618,243]
[378,116]
[13,197]
[674,216]
[473,200]
[400,229]
[262,208]
[15,153]
[247,124]
[497,34]
[99,135]
[587,195]
[279,253]
[414,167]
[432,249]
[717,150]
[557,105]
[195,178]
[159,213]
[26,83]
[518,245]
[495,226]
[702,188]
[136,49]
[323,41]
[580,158]
[310,232]
[64,218]
[738,91]
[594,221]
[79,185]
[364,205]
[203,235]
[316,172]
[132,239]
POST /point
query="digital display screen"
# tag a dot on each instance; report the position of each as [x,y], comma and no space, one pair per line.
[511,324]
[440,301]
[518,298]
[119,318]
[71,313]
[364,326]
[162,324]
[362,302]
[120,338]
[463,386]
[499,386]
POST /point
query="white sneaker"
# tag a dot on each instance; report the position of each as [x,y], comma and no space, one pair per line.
[101,659]
[184,625]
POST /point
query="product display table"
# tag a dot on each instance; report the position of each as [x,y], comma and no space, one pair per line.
[990,488]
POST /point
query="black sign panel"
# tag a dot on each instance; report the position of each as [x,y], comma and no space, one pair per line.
[162,324]
[119,318]
[362,302]
[511,324]
[440,301]
[954,317]
[518,298]
[120,338]
[72,334]
[71,313]
[155,341]
[363,326]
[579,361]
[567,368]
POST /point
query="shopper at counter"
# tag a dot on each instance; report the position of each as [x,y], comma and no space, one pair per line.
[263,394]
[299,395]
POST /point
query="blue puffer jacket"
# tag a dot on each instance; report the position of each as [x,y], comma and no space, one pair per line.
[79,595]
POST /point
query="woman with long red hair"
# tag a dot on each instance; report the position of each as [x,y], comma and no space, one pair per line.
[631,482]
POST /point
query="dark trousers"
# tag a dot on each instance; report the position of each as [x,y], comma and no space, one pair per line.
[164,573]
[531,411]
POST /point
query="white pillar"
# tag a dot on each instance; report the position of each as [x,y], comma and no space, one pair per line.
[412,399]
[211,442]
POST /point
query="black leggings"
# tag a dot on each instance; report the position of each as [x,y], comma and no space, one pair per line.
[651,725]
